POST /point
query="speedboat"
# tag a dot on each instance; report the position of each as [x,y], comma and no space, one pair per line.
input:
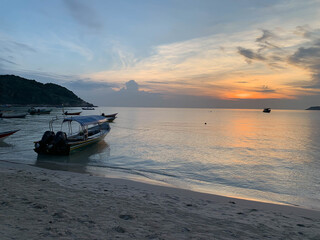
[92,129]
[88,108]
[3,135]
[267,110]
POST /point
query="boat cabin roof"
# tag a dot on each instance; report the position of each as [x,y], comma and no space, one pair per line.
[86,120]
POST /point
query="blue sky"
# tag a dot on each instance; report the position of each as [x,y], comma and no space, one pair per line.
[233,53]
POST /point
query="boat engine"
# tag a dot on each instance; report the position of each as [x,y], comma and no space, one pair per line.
[60,144]
[46,139]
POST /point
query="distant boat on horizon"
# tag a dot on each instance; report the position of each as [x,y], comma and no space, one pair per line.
[88,108]
[71,113]
[267,110]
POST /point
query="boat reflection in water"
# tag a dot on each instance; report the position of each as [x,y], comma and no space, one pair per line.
[78,161]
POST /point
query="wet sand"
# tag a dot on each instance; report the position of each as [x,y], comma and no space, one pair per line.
[37,203]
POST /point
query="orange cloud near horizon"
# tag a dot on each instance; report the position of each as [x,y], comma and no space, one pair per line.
[213,67]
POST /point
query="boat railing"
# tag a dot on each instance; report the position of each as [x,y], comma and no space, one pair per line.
[56,118]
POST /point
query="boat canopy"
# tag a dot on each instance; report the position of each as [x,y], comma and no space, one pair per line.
[86,120]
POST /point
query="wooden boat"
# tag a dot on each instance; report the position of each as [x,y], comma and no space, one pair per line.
[266,110]
[33,111]
[71,113]
[88,108]
[14,115]
[91,130]
[3,135]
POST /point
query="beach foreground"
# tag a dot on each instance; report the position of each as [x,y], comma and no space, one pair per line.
[44,204]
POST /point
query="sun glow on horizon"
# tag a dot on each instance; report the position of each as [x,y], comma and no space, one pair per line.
[216,68]
[254,95]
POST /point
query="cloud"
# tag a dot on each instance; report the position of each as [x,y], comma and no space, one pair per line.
[267,51]
[11,52]
[309,58]
[266,35]
[241,82]
[76,48]
[307,32]
[23,46]
[88,85]
[131,96]
[199,67]
[10,46]
[265,89]
[131,86]
[7,61]
[83,14]
[267,40]
[184,61]
[304,54]
[250,55]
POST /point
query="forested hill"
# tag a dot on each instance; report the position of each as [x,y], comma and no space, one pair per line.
[20,91]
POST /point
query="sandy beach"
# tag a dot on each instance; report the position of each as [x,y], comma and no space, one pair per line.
[38,203]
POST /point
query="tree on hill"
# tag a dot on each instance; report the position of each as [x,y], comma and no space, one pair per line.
[20,91]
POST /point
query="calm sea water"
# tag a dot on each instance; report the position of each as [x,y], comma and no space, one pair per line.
[243,153]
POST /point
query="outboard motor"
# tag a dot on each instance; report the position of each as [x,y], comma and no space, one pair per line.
[46,139]
[60,143]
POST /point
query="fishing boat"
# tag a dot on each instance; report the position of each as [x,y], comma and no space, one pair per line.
[71,113]
[92,129]
[266,110]
[33,111]
[13,115]
[88,108]
[3,135]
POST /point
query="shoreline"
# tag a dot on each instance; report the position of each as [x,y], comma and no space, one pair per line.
[43,203]
[312,205]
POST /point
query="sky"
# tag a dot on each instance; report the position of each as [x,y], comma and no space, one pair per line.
[168,53]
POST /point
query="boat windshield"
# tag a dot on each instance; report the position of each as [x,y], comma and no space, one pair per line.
[71,128]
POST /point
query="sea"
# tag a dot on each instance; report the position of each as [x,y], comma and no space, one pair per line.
[244,153]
